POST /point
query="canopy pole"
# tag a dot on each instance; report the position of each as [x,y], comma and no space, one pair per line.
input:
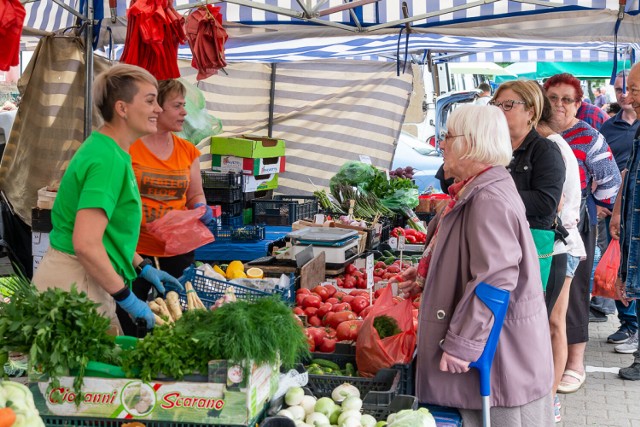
[272,99]
[88,99]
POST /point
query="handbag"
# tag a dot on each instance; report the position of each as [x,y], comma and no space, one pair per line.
[544,240]
[561,233]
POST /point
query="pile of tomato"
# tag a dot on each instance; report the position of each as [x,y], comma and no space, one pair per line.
[411,236]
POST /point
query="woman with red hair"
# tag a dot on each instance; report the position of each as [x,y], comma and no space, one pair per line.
[599,181]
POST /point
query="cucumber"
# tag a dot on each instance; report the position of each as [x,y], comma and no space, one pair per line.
[326,364]
[388,254]
[350,370]
[315,371]
[390,260]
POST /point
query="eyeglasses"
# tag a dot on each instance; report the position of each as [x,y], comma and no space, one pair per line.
[447,136]
[506,105]
[566,101]
[618,90]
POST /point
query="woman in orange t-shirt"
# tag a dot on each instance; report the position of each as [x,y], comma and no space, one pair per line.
[168,173]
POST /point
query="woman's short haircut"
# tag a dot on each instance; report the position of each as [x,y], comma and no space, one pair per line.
[486,134]
[168,87]
[118,83]
[567,79]
[530,93]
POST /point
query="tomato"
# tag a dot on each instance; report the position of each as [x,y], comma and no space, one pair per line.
[332,300]
[331,289]
[393,268]
[310,311]
[378,272]
[348,331]
[358,304]
[329,332]
[339,295]
[298,311]
[311,300]
[317,334]
[350,269]
[380,265]
[378,292]
[321,291]
[411,239]
[364,313]
[340,282]
[387,275]
[348,298]
[300,298]
[341,306]
[349,282]
[328,345]
[339,317]
[314,321]
[324,308]
[361,283]
[303,291]
[376,279]
[360,292]
[310,341]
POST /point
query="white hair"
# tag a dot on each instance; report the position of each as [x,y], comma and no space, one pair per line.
[486,134]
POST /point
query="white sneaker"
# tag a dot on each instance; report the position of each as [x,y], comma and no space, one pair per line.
[631,346]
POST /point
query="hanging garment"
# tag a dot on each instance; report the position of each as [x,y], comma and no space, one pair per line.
[12,15]
[154,32]
[206,37]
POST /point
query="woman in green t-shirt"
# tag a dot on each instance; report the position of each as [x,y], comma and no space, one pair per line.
[97,213]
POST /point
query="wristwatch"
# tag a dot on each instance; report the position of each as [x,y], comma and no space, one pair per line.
[142,265]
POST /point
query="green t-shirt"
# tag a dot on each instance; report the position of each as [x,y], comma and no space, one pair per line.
[100,176]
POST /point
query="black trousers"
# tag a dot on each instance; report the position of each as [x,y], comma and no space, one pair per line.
[578,311]
[174,265]
[555,284]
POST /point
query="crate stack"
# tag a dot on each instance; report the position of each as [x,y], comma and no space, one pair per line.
[224,190]
[259,159]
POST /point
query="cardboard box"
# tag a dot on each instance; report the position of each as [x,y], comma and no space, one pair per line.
[39,243]
[254,147]
[247,166]
[260,182]
[237,396]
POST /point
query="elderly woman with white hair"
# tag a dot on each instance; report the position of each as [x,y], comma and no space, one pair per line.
[482,236]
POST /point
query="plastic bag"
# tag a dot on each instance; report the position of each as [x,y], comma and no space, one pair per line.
[354,173]
[373,353]
[198,123]
[181,231]
[606,274]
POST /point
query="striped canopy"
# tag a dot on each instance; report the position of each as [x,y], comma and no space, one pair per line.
[494,30]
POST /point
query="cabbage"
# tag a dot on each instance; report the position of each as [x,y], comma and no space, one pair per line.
[409,418]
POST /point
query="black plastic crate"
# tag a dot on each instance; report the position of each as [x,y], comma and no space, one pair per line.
[284,210]
[212,179]
[41,220]
[241,233]
[385,382]
[60,421]
[217,196]
[227,220]
[346,353]
[231,209]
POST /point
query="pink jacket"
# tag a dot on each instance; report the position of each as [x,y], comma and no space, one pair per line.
[485,238]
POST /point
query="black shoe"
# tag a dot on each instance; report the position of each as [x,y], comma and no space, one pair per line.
[595,316]
[632,373]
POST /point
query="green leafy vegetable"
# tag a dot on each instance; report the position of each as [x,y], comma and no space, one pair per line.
[386,326]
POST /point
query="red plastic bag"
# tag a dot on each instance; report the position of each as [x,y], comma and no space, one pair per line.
[181,231]
[606,274]
[373,353]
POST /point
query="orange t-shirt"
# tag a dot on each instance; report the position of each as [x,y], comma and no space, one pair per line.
[163,185]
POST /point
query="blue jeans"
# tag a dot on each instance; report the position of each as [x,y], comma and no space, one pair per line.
[628,315]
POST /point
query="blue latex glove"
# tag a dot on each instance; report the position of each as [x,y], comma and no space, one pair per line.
[137,309]
[160,279]
[208,213]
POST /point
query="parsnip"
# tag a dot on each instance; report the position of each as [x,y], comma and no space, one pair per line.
[173,304]
[159,321]
[164,308]
[193,302]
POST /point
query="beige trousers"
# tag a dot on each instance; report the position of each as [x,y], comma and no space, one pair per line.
[61,270]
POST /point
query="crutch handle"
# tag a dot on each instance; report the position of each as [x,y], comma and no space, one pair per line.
[498,301]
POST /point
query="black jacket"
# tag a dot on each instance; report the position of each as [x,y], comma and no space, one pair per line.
[538,170]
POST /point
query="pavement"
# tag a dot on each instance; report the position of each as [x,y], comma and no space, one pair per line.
[605,400]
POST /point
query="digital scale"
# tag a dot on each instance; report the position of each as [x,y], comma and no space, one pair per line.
[339,245]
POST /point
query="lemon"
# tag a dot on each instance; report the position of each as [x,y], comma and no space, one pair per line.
[236,274]
[255,273]
[219,270]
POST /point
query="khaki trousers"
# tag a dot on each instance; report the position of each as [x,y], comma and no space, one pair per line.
[61,270]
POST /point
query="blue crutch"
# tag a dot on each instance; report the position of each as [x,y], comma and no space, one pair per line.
[498,301]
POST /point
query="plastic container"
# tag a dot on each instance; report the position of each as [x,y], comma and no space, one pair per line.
[229,180]
[284,210]
[216,196]
[234,221]
[55,421]
[209,290]
[238,233]
[444,416]
[231,209]
[385,382]
[346,353]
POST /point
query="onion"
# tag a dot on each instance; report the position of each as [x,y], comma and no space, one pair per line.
[317,419]
[297,412]
[348,414]
[343,391]
[350,422]
[333,418]
[294,396]
[308,403]
[367,421]
[351,403]
[285,413]
[325,406]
